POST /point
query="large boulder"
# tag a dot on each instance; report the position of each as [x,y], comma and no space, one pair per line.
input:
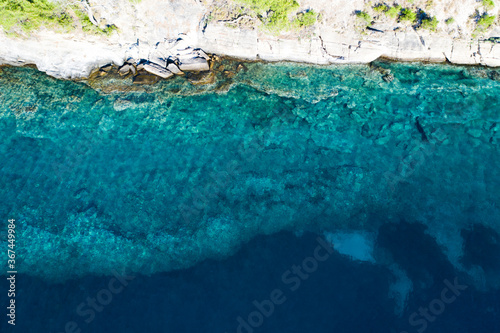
[193,64]
[125,70]
[158,60]
[158,70]
[174,69]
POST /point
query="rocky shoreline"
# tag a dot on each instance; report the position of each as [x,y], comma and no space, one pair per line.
[172,47]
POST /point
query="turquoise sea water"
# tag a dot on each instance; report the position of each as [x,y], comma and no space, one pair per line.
[403,178]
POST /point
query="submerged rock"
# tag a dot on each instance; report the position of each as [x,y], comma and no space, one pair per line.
[202,78]
[125,70]
[388,78]
[145,79]
[494,75]
[121,104]
[241,67]
[228,74]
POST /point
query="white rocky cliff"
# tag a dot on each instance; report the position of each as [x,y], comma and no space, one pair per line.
[166,37]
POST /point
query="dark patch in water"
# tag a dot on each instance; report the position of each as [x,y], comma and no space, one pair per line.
[482,247]
[421,130]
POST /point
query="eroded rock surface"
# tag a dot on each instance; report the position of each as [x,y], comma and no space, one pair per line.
[173,33]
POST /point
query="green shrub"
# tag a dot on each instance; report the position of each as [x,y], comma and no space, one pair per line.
[429,23]
[485,21]
[32,14]
[488,4]
[449,21]
[364,16]
[305,19]
[393,12]
[380,8]
[109,29]
[277,12]
[87,26]
[408,15]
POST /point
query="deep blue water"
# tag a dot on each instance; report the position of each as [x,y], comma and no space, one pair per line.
[355,204]
[340,296]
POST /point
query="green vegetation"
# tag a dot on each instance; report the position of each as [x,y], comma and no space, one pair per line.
[109,29]
[485,21]
[408,15]
[364,16]
[273,13]
[381,8]
[393,12]
[405,14]
[29,15]
[488,4]
[91,28]
[32,14]
[449,21]
[429,23]
[305,19]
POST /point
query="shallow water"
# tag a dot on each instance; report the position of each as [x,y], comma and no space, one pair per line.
[403,178]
